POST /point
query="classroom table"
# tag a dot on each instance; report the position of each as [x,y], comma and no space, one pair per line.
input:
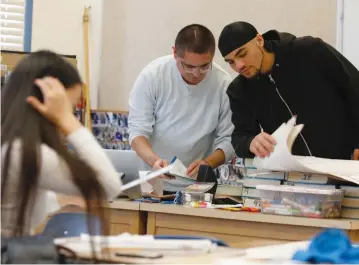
[239,229]
[125,216]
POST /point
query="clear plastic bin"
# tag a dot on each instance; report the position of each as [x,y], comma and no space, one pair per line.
[300,201]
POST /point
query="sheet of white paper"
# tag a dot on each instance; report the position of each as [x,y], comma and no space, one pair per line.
[219,206]
[281,158]
[149,176]
[145,186]
[126,240]
[154,185]
[346,168]
[274,254]
[282,251]
[179,170]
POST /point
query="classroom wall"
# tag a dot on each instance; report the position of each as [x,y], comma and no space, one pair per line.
[136,31]
[351,31]
[127,34]
[58,25]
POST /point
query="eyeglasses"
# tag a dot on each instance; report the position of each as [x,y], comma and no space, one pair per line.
[192,69]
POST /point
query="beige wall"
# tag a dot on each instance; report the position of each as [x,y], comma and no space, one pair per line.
[126,34]
[351,31]
[137,31]
[58,25]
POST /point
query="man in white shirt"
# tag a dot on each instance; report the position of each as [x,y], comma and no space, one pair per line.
[179,107]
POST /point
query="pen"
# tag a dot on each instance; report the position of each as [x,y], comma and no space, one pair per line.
[144,256]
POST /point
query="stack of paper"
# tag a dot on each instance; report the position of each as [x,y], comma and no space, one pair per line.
[128,241]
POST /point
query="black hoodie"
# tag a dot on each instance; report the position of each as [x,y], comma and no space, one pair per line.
[313,81]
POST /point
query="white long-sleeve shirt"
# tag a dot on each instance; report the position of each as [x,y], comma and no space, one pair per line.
[187,121]
[55,176]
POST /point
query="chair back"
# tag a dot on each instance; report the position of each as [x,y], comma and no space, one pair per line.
[71,225]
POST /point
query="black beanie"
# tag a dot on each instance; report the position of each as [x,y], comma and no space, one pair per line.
[235,35]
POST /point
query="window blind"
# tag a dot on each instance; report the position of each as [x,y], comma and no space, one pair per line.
[12,14]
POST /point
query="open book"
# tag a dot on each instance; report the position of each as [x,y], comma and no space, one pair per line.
[176,168]
[281,159]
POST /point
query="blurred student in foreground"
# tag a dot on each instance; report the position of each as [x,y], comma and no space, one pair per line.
[37,105]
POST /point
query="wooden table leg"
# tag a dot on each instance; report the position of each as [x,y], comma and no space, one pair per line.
[354,235]
[130,221]
[151,223]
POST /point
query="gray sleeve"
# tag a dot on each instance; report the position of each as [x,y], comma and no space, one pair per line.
[225,126]
[141,107]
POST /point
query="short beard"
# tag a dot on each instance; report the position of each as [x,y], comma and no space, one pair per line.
[258,70]
[258,73]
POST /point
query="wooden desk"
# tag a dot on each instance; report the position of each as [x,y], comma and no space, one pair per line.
[125,216]
[239,229]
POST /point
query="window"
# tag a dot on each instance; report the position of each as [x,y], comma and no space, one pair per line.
[16,24]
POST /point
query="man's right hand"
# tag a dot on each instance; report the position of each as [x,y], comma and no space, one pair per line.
[262,145]
[144,150]
[161,163]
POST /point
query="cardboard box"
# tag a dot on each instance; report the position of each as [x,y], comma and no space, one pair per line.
[10,59]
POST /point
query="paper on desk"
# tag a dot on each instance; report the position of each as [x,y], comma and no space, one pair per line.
[281,159]
[146,242]
[222,206]
[274,254]
[281,251]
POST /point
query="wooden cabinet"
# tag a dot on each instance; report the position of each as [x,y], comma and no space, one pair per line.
[239,229]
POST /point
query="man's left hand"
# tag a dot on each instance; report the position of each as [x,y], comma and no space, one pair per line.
[193,168]
[356,154]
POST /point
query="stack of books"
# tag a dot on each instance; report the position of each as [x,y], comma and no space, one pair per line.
[229,181]
[253,177]
[350,203]
[308,180]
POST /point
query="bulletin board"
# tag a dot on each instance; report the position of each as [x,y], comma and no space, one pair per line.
[110,128]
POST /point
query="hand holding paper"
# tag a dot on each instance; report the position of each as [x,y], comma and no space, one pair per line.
[356,154]
[281,158]
[262,145]
[160,163]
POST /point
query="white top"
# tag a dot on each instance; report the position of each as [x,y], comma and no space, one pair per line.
[187,121]
[55,176]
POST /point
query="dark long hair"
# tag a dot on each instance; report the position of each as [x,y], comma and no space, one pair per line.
[21,121]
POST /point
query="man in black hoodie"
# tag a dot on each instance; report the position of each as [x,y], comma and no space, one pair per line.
[280,76]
